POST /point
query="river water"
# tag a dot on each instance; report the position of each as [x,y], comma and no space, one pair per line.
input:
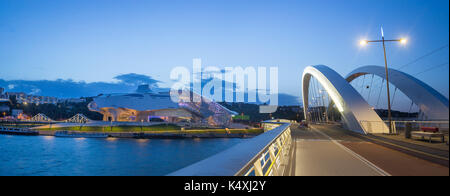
[48,155]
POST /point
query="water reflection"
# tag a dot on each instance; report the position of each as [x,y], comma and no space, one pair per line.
[111,139]
[142,142]
[47,155]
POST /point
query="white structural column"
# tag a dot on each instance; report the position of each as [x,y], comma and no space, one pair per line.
[433,104]
[355,111]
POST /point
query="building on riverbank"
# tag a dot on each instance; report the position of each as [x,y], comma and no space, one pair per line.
[23,98]
[158,106]
[4,106]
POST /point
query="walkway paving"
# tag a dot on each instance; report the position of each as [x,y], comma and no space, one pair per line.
[315,154]
[326,150]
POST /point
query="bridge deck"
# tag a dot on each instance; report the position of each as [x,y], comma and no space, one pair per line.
[330,151]
[315,154]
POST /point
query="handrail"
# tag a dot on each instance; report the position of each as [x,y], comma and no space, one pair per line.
[412,121]
[261,155]
[281,144]
[396,123]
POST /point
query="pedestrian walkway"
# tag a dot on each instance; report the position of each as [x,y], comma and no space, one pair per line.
[316,154]
[331,151]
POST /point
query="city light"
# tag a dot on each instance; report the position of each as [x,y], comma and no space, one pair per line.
[403,41]
[383,41]
[363,42]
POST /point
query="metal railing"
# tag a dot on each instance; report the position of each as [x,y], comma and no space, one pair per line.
[263,155]
[268,161]
[399,126]
[375,126]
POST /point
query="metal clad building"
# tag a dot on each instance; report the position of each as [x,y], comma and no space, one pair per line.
[146,107]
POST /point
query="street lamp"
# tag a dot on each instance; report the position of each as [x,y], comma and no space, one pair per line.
[323,102]
[402,41]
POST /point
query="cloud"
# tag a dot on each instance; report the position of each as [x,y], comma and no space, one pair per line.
[69,88]
[136,79]
[127,83]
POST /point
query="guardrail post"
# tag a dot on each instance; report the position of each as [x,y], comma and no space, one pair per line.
[394,128]
[257,167]
[408,129]
[279,144]
[272,160]
[289,139]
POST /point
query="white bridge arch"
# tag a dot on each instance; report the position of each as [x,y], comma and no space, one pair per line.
[433,104]
[352,106]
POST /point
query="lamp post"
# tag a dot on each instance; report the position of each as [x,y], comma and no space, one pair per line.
[323,102]
[319,109]
[402,41]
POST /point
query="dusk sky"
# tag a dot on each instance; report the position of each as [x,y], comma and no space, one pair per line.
[97,40]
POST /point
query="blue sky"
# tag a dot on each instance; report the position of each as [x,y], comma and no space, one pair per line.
[98,40]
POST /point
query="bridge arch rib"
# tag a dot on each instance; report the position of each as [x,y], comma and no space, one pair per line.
[352,106]
[433,104]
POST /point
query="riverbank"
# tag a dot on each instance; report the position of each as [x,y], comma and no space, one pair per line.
[171,131]
[180,135]
[116,128]
[207,133]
